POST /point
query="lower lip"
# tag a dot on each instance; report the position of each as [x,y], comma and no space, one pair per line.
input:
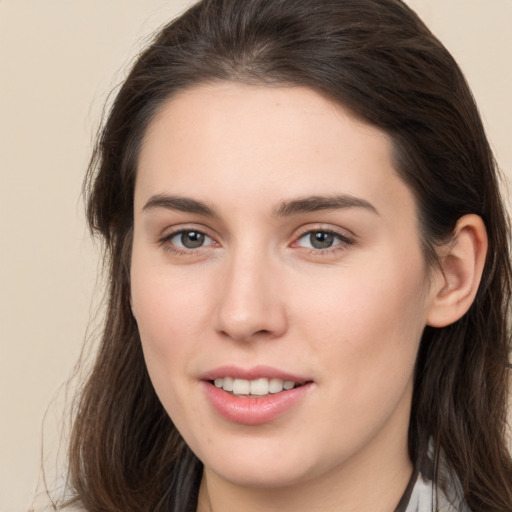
[254,411]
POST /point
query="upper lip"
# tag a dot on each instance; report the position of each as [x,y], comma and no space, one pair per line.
[253,373]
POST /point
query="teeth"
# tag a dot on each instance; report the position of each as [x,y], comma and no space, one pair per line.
[227,384]
[275,385]
[241,387]
[257,387]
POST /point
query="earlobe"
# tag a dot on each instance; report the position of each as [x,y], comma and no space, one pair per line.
[460,271]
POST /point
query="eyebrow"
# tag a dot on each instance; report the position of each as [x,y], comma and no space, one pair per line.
[284,209]
[179,203]
[317,203]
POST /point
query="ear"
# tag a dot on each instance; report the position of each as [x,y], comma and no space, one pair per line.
[458,277]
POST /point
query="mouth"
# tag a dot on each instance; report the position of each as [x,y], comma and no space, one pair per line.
[255,396]
[255,388]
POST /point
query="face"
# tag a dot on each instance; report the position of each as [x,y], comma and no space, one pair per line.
[277,282]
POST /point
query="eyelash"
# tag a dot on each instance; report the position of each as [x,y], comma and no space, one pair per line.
[343,242]
[166,242]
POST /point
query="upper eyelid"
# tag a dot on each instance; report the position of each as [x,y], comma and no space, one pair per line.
[165,242]
[343,240]
[171,231]
[337,230]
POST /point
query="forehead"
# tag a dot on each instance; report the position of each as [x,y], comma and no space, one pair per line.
[279,141]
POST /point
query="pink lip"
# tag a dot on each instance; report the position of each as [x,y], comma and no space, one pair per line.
[257,410]
[256,372]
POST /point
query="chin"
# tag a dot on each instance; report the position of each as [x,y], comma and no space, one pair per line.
[268,465]
[255,475]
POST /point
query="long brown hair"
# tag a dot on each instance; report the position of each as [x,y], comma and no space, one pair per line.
[379,60]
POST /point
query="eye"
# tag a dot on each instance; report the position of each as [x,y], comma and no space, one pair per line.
[189,239]
[321,240]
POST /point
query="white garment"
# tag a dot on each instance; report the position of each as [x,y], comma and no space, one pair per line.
[423,497]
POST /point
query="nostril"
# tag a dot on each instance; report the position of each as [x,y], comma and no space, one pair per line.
[262,333]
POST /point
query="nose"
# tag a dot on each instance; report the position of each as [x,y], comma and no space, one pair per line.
[250,302]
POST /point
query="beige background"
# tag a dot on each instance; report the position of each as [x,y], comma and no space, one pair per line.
[58,61]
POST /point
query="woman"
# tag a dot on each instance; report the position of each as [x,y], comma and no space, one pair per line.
[309,272]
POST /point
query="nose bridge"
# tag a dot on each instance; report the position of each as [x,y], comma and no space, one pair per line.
[249,300]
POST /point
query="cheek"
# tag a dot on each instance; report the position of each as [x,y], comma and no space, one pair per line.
[163,308]
[172,310]
[164,321]
[168,305]
[368,326]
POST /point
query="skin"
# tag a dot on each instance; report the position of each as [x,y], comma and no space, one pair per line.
[348,317]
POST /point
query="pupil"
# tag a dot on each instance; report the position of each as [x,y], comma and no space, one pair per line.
[321,240]
[192,239]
